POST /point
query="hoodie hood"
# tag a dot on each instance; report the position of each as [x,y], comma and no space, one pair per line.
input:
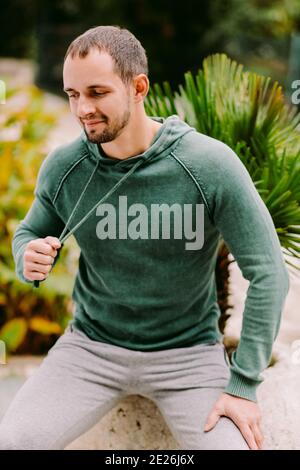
[172,129]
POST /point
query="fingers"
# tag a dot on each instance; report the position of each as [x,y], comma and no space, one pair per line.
[32,256]
[248,436]
[35,271]
[244,413]
[53,241]
[212,420]
[41,268]
[34,276]
[47,246]
[258,435]
[43,246]
[39,257]
[252,433]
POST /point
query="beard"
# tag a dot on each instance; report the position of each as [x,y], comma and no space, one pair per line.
[111,131]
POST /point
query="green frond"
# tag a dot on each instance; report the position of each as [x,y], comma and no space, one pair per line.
[249,113]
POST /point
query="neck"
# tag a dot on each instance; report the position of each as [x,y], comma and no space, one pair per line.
[135,138]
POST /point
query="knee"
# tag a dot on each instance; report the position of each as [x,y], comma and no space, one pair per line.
[224,436]
[6,440]
[14,439]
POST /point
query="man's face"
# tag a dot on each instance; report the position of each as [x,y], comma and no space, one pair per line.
[98,97]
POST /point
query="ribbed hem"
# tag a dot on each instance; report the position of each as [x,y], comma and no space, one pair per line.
[242,387]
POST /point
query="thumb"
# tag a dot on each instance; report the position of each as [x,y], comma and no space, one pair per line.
[53,241]
[212,420]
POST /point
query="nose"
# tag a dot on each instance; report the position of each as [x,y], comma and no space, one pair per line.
[85,107]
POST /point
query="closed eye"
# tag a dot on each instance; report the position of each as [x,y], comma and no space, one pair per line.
[94,93]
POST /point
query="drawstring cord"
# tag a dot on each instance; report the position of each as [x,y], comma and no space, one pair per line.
[63,237]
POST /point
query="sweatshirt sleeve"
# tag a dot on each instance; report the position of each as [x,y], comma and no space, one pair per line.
[247,228]
[40,221]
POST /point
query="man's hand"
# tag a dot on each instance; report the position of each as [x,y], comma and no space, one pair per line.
[244,413]
[39,257]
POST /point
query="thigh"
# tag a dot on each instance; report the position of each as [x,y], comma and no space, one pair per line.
[70,391]
[186,399]
[185,413]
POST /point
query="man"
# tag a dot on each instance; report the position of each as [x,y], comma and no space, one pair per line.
[146,311]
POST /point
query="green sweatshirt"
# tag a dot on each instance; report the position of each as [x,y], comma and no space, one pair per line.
[146,276]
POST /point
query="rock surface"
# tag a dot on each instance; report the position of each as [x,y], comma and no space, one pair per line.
[136,423]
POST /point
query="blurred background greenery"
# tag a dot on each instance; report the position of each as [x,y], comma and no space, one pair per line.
[245,110]
[262,34]
[30,321]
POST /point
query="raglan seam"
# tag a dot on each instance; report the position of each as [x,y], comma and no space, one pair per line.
[62,178]
[196,182]
[178,141]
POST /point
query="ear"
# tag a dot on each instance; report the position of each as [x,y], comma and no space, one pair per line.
[141,87]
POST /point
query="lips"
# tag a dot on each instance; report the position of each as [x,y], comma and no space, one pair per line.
[92,123]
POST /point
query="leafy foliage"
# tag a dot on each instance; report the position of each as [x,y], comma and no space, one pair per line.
[250,114]
[30,320]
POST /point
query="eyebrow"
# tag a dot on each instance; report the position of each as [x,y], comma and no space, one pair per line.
[89,87]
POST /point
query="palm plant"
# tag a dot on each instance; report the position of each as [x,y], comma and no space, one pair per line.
[250,114]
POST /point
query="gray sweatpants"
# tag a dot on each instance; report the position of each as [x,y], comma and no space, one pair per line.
[80,380]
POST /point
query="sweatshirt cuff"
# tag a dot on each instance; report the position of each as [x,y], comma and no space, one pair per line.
[241,386]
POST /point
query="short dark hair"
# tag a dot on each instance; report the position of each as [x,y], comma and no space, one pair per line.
[128,54]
